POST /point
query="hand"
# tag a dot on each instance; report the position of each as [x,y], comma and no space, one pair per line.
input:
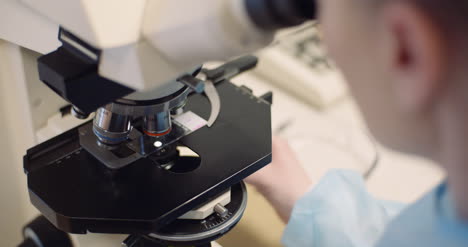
[282,182]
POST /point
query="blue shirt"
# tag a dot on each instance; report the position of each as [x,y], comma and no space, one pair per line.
[339,212]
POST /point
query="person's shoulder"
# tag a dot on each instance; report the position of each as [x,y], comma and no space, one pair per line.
[423,223]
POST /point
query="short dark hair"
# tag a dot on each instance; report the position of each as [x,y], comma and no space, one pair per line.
[451,14]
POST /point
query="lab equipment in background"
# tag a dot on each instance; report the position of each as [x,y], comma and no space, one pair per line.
[297,62]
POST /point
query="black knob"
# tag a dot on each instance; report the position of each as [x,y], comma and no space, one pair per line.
[40,232]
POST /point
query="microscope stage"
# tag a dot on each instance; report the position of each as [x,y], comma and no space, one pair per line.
[79,194]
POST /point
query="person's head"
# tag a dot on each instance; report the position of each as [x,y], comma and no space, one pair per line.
[405,61]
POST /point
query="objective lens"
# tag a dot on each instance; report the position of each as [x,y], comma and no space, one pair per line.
[158,124]
[111,128]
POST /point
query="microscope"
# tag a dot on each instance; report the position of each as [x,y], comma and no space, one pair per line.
[163,159]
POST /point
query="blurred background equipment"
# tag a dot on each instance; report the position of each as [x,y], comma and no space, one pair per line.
[297,63]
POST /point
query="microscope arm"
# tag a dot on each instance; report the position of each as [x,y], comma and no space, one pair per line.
[141,45]
[147,43]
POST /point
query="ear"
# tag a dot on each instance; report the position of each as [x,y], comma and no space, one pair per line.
[418,54]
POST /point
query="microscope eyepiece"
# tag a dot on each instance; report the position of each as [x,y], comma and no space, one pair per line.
[275,14]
